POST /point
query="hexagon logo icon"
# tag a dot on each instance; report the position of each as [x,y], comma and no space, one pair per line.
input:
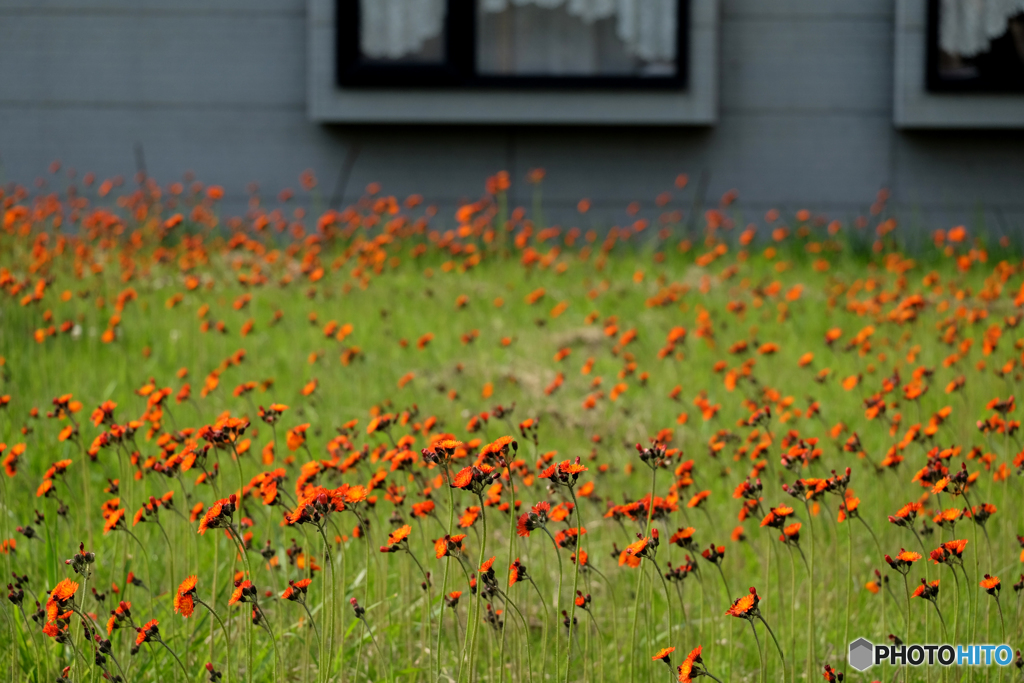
[861,654]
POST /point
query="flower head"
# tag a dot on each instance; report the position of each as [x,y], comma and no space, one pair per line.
[184,599]
[688,669]
[745,607]
[149,632]
[990,584]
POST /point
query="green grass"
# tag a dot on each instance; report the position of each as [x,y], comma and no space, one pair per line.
[414,294]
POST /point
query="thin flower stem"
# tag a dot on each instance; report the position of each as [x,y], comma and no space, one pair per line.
[870,531]
[558,592]
[316,630]
[183,669]
[776,641]
[224,630]
[906,588]
[273,640]
[725,583]
[945,635]
[327,646]
[810,605]
[480,562]
[526,634]
[760,654]
[668,599]
[1002,624]
[85,584]
[77,652]
[977,552]
[34,640]
[422,570]
[447,562]
[383,659]
[956,607]
[849,581]
[238,466]
[640,574]
[118,664]
[576,578]
[547,614]
[511,541]
[792,608]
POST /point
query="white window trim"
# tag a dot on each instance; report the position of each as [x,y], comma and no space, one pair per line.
[697,105]
[915,107]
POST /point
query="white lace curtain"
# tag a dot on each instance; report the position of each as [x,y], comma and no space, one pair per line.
[391,29]
[966,27]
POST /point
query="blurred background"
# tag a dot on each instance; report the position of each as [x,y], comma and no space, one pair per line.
[796,104]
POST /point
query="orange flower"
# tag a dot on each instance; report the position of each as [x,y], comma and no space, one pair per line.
[61,594]
[744,607]
[215,516]
[444,546]
[184,603]
[464,478]
[148,632]
[685,669]
[628,559]
[948,516]
[113,521]
[399,535]
[776,516]
[296,437]
[638,548]
[516,573]
[664,655]
[241,592]
[697,499]
[990,584]
[422,509]
[64,590]
[956,547]
[55,629]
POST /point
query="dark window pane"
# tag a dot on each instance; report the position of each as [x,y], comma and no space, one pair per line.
[577,37]
[979,45]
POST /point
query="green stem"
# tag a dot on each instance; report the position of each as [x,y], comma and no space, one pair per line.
[575,580]
[273,640]
[776,641]
[227,638]
[760,654]
[849,581]
[480,562]
[906,588]
[183,670]
[511,550]
[447,562]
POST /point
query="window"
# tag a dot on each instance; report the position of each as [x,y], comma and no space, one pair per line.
[519,43]
[975,46]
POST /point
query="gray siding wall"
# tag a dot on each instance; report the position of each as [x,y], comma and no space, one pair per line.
[218,87]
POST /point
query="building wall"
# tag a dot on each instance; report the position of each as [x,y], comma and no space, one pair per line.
[218,87]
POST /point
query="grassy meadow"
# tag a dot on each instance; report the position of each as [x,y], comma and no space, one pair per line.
[304,409]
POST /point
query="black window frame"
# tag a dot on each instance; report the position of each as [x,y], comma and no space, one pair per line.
[458,70]
[995,82]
